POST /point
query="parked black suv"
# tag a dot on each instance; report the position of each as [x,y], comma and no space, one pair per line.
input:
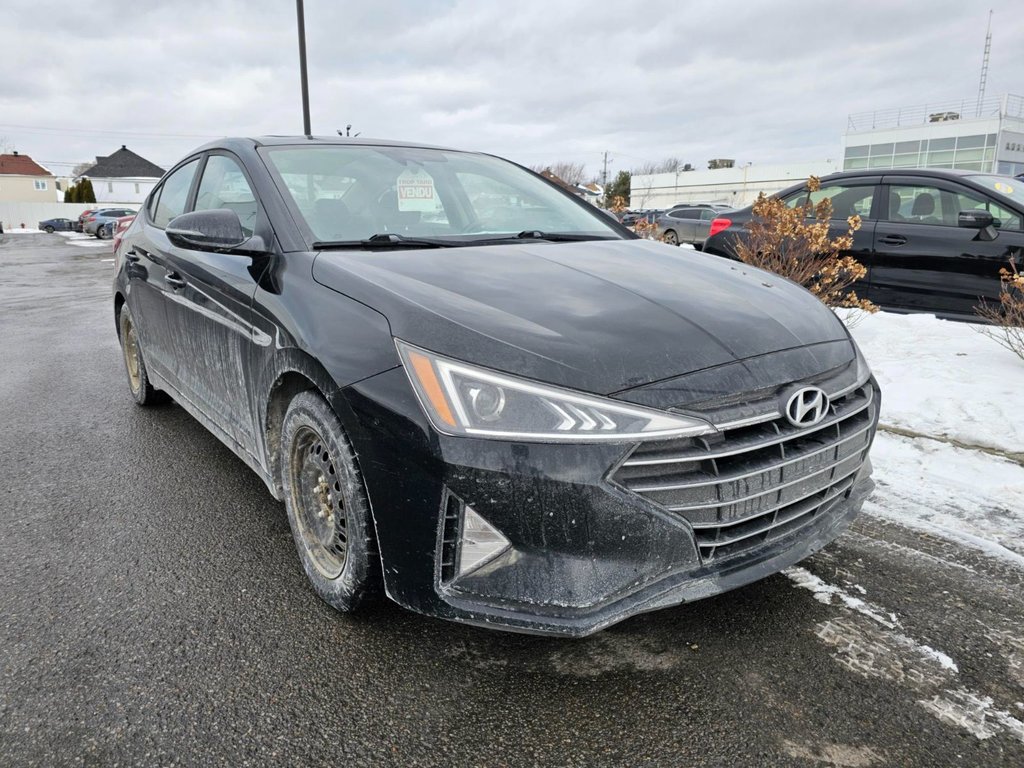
[932,240]
[480,393]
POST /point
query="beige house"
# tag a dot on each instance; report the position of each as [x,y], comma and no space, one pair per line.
[23,180]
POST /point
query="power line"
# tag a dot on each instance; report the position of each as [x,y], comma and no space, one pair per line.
[131,134]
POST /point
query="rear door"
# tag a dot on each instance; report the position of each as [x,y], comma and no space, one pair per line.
[923,261]
[210,308]
[858,196]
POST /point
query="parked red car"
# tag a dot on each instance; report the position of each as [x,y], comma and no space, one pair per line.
[120,227]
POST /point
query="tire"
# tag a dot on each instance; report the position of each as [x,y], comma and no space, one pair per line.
[142,391]
[328,509]
[671,237]
[48,229]
[100,233]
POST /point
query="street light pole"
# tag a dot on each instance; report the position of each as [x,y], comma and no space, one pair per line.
[302,68]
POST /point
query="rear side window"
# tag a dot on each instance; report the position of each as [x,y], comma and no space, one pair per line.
[174,195]
[847,200]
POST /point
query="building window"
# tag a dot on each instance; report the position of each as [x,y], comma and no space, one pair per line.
[136,189]
[40,185]
[110,186]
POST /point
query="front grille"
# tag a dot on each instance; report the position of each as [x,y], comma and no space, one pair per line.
[745,486]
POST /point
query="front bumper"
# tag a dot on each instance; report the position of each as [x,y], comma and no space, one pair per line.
[586,552]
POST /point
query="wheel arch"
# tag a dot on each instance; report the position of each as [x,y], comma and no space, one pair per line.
[118,304]
[293,372]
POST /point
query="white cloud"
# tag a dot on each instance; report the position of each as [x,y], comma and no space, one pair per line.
[535,81]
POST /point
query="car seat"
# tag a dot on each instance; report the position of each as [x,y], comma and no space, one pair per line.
[895,201]
[923,211]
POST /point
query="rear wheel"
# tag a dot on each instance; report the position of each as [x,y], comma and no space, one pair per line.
[327,505]
[670,237]
[138,380]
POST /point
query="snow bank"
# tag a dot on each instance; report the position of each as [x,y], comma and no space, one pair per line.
[944,379]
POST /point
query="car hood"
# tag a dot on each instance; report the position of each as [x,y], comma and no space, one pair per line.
[601,317]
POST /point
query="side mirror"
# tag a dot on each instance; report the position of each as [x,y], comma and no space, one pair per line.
[975,219]
[216,230]
[982,221]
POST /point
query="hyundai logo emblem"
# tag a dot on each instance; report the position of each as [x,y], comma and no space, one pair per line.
[806,407]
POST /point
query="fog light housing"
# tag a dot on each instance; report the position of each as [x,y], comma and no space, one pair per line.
[479,542]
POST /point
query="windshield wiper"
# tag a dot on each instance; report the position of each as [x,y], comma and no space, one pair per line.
[559,237]
[384,241]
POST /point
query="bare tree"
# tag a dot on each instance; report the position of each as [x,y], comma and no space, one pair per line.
[668,165]
[570,173]
[5,145]
[80,168]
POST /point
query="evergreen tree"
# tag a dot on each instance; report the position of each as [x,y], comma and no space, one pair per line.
[86,194]
[618,188]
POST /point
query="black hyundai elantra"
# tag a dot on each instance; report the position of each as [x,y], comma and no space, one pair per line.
[483,396]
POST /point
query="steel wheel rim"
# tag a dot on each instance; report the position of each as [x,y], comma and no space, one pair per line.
[131,355]
[318,503]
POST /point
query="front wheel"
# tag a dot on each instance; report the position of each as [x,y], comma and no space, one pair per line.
[48,229]
[327,505]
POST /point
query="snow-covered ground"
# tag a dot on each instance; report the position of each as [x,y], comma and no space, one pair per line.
[83,240]
[941,382]
[22,231]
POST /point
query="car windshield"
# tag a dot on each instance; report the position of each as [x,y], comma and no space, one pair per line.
[1007,186]
[348,194]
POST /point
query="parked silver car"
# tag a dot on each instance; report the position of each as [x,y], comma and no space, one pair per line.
[686,225]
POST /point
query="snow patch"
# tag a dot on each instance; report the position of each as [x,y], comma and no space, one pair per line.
[975,714]
[943,378]
[824,593]
[966,496]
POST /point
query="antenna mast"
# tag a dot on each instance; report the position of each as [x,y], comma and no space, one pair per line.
[984,64]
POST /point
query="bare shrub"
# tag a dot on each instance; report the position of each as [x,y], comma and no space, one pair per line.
[795,243]
[1007,317]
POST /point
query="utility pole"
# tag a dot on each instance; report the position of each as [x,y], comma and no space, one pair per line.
[604,172]
[302,68]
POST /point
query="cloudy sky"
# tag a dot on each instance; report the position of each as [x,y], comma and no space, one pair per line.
[534,81]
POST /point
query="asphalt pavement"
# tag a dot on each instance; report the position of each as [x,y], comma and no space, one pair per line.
[153,612]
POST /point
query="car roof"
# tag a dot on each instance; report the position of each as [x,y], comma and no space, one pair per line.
[231,142]
[953,173]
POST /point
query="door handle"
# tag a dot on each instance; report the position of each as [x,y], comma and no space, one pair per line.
[893,240]
[132,256]
[174,280]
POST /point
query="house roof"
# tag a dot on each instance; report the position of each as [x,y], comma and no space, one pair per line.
[547,174]
[123,164]
[21,165]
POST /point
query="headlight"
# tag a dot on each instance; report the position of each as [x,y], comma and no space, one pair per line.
[461,399]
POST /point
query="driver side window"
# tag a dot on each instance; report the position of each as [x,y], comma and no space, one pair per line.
[224,186]
[1004,219]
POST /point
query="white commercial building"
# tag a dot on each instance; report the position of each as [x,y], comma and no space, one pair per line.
[985,136]
[736,187]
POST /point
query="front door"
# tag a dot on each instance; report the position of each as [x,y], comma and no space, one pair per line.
[210,310]
[923,261]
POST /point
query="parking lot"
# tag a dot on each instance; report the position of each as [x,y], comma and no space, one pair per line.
[154,612]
